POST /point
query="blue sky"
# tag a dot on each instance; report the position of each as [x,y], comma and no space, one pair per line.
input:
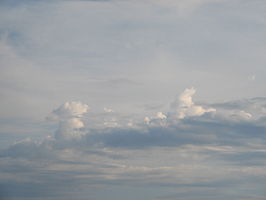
[121,99]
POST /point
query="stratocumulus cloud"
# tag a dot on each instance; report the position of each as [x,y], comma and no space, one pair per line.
[127,60]
[184,123]
[194,151]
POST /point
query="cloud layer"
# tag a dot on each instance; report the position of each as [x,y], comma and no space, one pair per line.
[211,147]
[127,60]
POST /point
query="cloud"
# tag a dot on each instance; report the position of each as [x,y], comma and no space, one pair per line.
[185,123]
[69,110]
[195,131]
[246,109]
[108,110]
[30,149]
[241,114]
[199,151]
[147,120]
[69,116]
[160,119]
[185,107]
[182,157]
[110,124]
[70,129]
[160,115]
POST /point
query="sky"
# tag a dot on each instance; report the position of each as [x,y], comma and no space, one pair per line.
[132,99]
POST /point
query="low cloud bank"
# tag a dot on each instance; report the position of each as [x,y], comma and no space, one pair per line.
[195,146]
[185,123]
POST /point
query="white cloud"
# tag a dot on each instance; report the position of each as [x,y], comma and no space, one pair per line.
[69,116]
[108,110]
[235,115]
[70,129]
[159,120]
[121,153]
[104,40]
[160,115]
[147,120]
[69,110]
[245,115]
[185,107]
[110,124]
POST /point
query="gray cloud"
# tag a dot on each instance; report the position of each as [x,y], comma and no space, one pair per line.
[121,56]
[226,126]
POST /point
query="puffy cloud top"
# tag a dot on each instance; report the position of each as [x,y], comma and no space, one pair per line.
[160,115]
[185,107]
[108,110]
[185,99]
[70,109]
[69,115]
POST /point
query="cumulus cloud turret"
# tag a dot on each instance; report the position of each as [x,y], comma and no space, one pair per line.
[160,115]
[108,110]
[185,107]
[69,110]
[69,116]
